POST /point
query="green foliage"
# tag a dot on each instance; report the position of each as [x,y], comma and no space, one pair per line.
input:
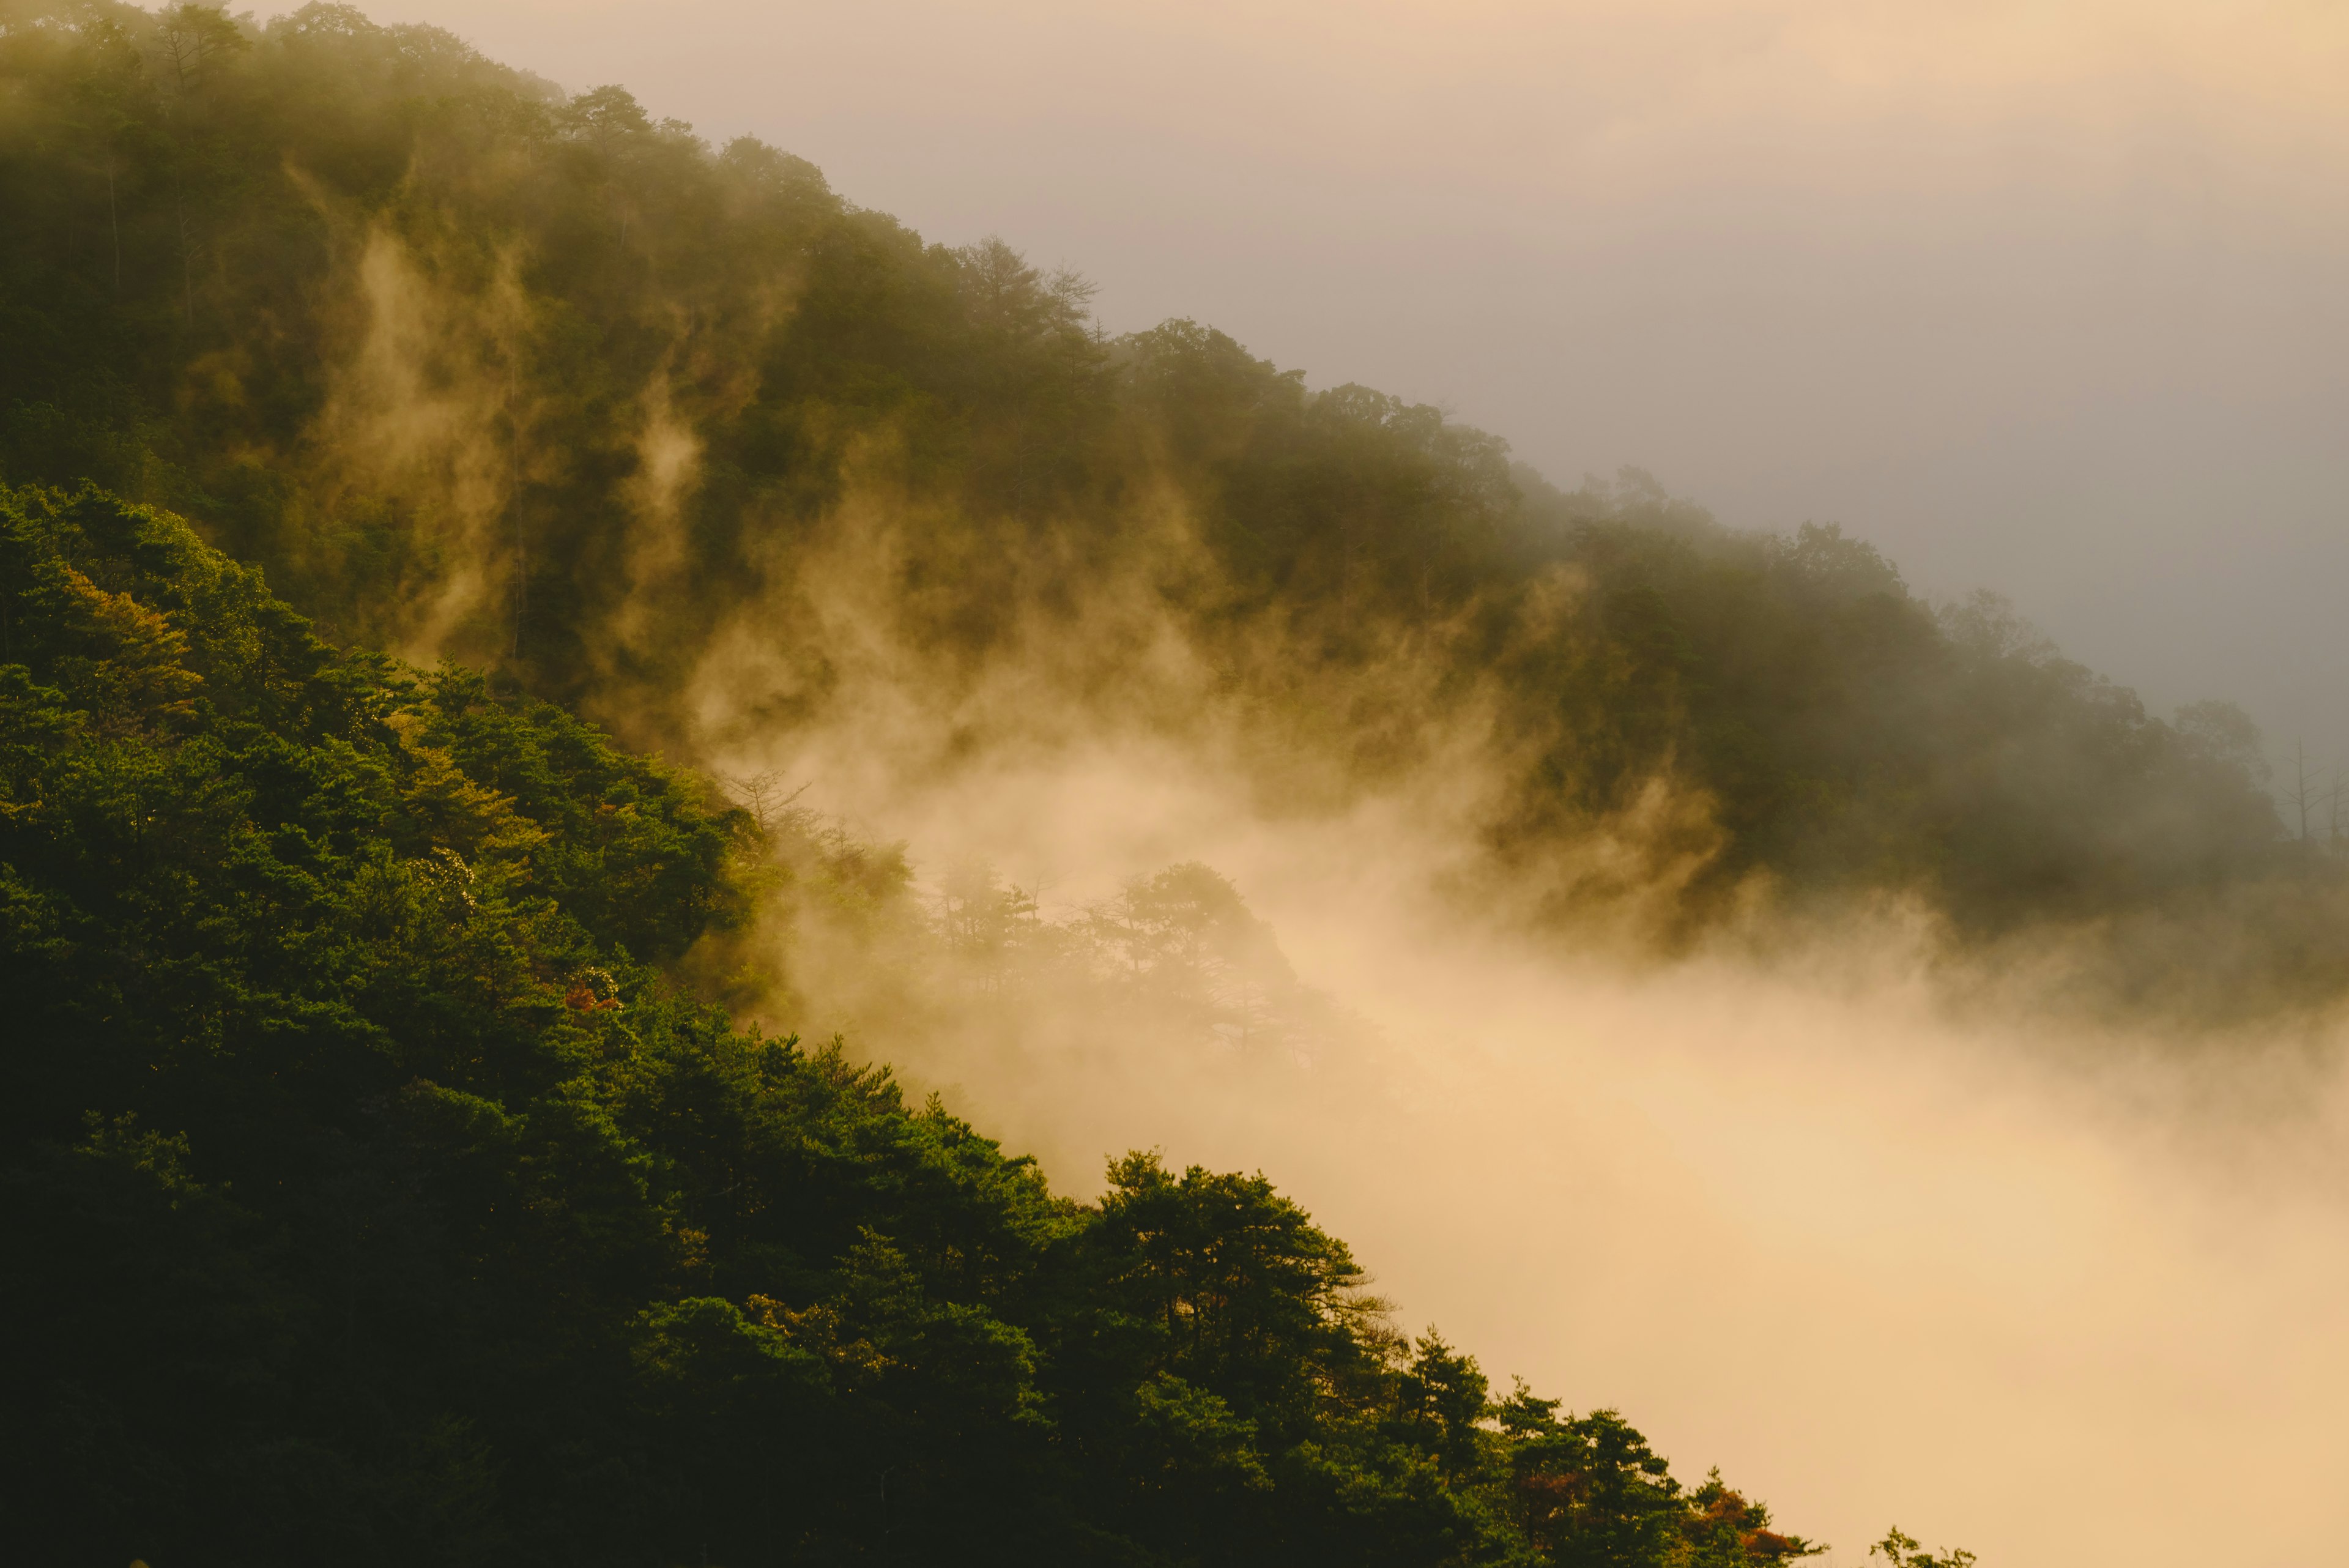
[375,1192]
[1901,1551]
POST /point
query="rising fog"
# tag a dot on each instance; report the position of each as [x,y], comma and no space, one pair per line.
[2056,1291]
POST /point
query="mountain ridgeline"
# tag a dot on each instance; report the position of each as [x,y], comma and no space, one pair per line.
[675,435]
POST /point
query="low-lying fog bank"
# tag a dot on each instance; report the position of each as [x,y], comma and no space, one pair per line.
[2052,1297]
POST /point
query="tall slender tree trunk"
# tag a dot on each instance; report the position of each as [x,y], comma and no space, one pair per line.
[114,222]
[187,263]
[513,505]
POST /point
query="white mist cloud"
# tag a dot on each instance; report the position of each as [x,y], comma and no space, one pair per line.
[2057,1297]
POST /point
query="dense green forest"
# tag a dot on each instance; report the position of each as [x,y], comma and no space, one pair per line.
[373,1194]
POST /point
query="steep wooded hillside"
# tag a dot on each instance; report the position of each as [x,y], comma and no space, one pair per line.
[371,1192]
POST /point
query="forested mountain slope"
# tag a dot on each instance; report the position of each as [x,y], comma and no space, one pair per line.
[386,1180]
[371,1196]
[475,367]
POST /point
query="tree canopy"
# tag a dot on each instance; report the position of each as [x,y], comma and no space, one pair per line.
[375,1191]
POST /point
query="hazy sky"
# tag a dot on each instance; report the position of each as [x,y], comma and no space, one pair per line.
[2048,298]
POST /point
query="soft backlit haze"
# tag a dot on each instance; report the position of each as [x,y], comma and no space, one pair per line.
[2040,297]
[2055,1292]
[2059,1298]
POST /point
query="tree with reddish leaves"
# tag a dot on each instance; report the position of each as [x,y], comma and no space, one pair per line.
[1724,1531]
[1587,1491]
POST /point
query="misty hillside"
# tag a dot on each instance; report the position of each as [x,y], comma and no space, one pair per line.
[444,523]
[373,1195]
[678,435]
